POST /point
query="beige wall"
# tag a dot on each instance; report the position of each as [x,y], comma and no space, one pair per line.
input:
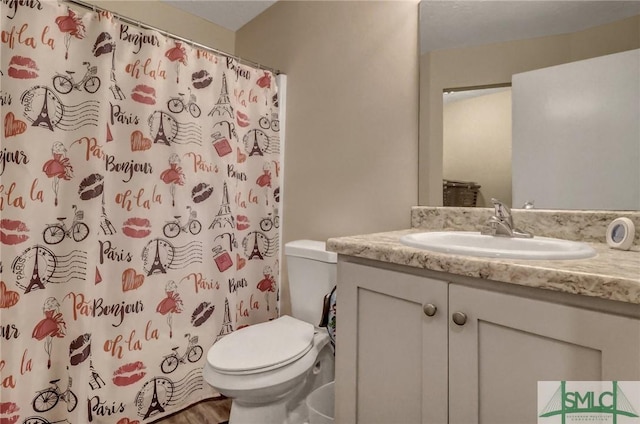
[477,144]
[352,112]
[172,20]
[494,64]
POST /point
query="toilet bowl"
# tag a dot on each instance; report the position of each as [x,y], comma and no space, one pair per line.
[269,369]
[270,387]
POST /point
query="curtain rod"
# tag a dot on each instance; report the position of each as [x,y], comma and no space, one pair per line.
[170,35]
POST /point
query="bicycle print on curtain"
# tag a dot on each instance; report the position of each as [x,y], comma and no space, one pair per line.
[138,214]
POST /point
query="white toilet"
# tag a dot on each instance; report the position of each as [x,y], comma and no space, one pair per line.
[269,369]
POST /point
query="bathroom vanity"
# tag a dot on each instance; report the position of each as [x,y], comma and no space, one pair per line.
[425,337]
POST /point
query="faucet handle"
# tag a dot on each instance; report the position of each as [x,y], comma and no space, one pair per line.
[502,222]
[502,211]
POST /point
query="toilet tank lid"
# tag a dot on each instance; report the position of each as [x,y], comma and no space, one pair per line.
[310,249]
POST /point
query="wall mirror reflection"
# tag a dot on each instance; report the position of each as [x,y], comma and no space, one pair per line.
[466,45]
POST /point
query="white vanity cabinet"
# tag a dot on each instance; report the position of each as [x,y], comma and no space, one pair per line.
[392,356]
[402,359]
[509,343]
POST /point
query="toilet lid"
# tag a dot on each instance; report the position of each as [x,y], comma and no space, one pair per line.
[263,346]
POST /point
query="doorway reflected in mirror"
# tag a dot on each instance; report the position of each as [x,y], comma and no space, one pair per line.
[477,144]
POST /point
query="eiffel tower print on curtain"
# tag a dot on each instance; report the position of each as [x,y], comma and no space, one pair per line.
[161,136]
[227,327]
[223,105]
[155,405]
[95,381]
[43,120]
[35,275]
[224,215]
[157,265]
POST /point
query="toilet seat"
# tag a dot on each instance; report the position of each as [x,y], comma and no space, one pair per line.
[262,347]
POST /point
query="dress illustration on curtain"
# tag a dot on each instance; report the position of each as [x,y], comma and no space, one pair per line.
[172,304]
[173,175]
[71,25]
[52,325]
[58,167]
[138,204]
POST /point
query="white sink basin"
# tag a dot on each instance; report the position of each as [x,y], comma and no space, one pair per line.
[476,244]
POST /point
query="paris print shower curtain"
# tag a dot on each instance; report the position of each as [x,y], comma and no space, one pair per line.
[138,214]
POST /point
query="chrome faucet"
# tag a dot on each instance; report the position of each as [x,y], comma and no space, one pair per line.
[501,223]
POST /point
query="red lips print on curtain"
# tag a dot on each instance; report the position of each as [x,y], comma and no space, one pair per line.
[80,349]
[22,68]
[9,413]
[118,144]
[13,231]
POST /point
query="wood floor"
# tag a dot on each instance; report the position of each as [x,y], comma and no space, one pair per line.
[214,411]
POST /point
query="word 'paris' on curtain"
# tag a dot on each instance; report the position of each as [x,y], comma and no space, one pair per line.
[139,214]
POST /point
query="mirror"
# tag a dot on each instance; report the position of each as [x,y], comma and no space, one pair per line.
[469,44]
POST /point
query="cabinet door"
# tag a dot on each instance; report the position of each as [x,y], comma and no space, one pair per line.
[509,343]
[391,357]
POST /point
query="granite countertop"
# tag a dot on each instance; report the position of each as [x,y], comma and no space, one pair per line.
[612,274]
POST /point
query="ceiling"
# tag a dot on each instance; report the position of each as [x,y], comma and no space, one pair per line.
[453,24]
[229,14]
[446,24]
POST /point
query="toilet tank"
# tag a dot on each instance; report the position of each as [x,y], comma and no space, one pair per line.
[312,275]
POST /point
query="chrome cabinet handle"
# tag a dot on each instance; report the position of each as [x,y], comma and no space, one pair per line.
[430,309]
[460,318]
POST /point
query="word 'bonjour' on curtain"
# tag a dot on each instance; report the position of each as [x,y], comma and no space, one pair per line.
[139,216]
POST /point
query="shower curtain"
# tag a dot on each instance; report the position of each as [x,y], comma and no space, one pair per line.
[139,224]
